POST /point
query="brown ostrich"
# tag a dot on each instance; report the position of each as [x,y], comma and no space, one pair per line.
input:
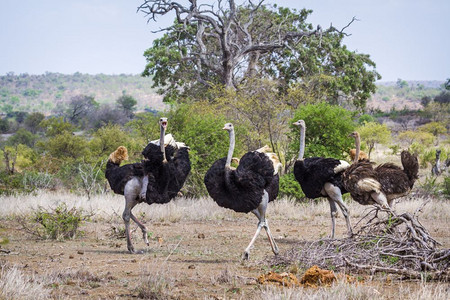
[383,184]
[362,154]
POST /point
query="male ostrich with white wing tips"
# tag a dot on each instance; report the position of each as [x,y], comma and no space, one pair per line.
[321,177]
[383,184]
[248,188]
[158,179]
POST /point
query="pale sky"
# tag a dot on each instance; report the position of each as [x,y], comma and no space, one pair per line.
[407,39]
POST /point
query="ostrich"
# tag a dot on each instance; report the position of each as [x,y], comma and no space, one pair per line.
[248,188]
[383,184]
[161,176]
[436,169]
[362,154]
[321,177]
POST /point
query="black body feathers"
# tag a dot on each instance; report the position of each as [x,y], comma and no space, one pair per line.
[165,179]
[119,176]
[312,174]
[242,188]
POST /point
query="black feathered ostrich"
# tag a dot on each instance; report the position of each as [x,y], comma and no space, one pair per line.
[383,184]
[248,188]
[321,177]
[157,179]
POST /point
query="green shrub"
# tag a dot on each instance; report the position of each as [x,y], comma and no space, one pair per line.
[11,183]
[59,223]
[290,188]
[446,184]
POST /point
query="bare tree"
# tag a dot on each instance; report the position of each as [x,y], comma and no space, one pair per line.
[229,40]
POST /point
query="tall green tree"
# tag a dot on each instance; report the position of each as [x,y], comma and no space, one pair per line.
[374,133]
[225,43]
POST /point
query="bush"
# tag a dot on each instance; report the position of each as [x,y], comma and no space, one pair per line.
[446,189]
[11,183]
[59,223]
[327,129]
[290,188]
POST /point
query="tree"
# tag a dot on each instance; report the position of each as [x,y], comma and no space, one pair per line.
[447,84]
[80,107]
[65,146]
[435,128]
[401,84]
[127,103]
[443,97]
[4,125]
[33,120]
[22,136]
[107,114]
[425,101]
[229,43]
[374,133]
[421,137]
[54,126]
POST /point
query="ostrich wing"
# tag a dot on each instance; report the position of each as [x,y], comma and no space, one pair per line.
[244,191]
[392,179]
[119,176]
[180,166]
[312,174]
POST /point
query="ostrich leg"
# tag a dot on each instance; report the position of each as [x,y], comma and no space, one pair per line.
[260,213]
[333,210]
[335,194]
[131,195]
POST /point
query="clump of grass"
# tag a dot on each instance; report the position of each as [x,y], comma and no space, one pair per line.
[58,223]
[155,283]
[14,284]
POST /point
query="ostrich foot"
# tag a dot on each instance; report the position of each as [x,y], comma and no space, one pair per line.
[246,255]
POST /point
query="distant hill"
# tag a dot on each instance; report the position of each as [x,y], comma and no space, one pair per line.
[390,95]
[41,92]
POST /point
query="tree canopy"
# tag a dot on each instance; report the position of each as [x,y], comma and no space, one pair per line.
[227,44]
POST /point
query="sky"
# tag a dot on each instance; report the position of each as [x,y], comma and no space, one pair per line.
[407,39]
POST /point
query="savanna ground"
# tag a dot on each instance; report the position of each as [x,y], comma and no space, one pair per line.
[195,251]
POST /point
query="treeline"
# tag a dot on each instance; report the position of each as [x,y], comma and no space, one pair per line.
[42,93]
[68,152]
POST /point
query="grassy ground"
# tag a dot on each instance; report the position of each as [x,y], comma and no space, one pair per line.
[195,251]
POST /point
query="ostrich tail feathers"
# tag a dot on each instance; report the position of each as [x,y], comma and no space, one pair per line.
[341,167]
[369,185]
[119,155]
[264,149]
[410,165]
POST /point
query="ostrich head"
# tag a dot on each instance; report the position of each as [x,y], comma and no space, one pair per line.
[354,134]
[163,123]
[300,123]
[228,127]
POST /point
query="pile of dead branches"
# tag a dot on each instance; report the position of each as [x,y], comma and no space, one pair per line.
[392,243]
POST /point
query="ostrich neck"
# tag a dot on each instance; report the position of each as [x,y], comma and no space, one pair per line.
[229,156]
[358,148]
[230,150]
[161,143]
[301,152]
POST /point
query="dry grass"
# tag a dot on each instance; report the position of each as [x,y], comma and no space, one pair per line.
[186,209]
[156,282]
[343,291]
[14,284]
